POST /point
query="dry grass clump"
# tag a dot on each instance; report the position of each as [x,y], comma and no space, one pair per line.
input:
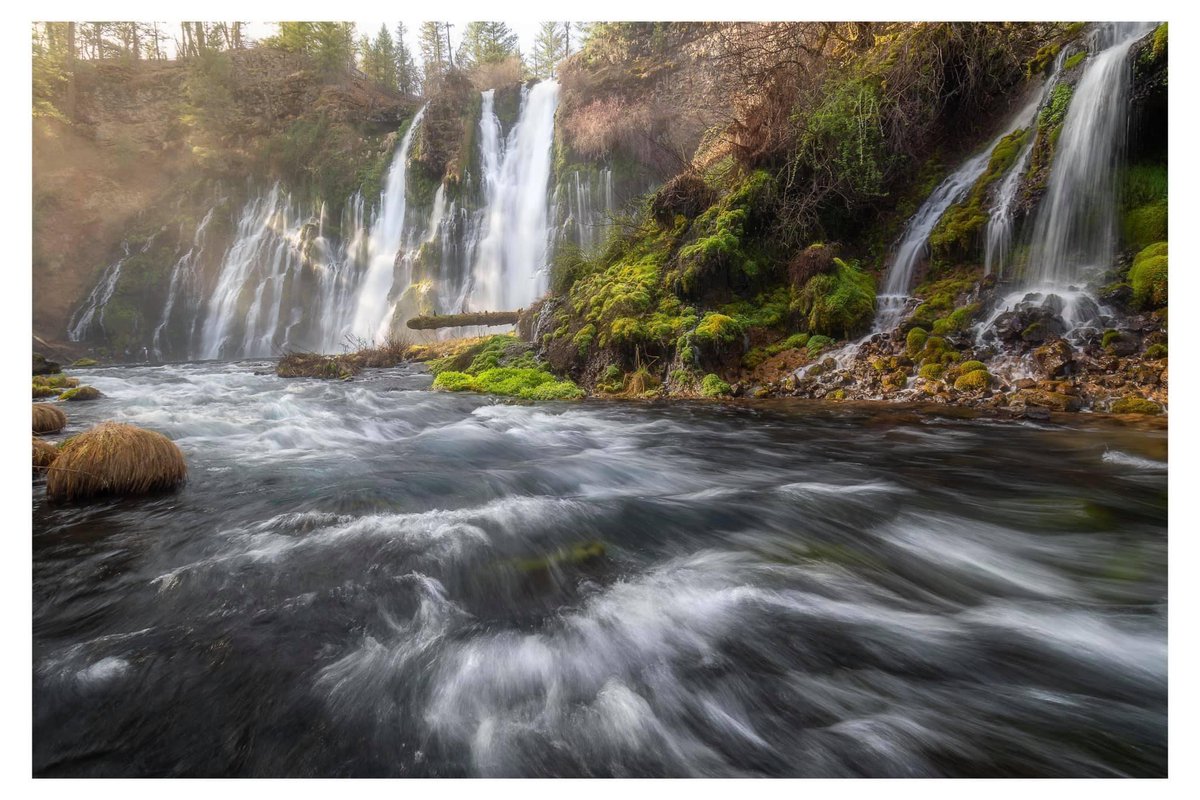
[48,419]
[44,454]
[115,458]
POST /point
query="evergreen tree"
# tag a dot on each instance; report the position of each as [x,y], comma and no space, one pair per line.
[408,80]
[549,48]
[431,40]
[379,59]
[486,43]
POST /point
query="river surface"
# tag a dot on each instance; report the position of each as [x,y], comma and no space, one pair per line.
[367,578]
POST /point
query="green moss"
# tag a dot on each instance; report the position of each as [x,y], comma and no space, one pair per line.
[1135,405]
[957,321]
[56,381]
[957,230]
[970,366]
[1148,276]
[1146,224]
[454,382]
[81,393]
[726,232]
[816,344]
[915,341]
[42,390]
[713,386]
[1159,48]
[1042,60]
[1156,351]
[718,328]
[931,372]
[583,338]
[1110,337]
[838,303]
[1144,184]
[554,390]
[85,362]
[973,381]
[1075,60]
[1055,110]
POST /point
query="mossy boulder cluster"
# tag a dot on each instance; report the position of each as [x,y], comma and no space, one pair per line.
[500,365]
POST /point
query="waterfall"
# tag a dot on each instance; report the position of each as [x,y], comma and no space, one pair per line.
[509,268]
[372,313]
[92,310]
[1075,228]
[585,209]
[183,280]
[914,240]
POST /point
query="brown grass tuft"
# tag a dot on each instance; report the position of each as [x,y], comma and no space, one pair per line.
[44,454]
[114,458]
[48,419]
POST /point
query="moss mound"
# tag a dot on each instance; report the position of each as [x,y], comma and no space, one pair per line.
[114,458]
[1148,276]
[1135,405]
[48,419]
[56,381]
[503,365]
[1146,224]
[973,381]
[85,362]
[41,390]
[713,386]
[839,303]
[80,394]
[44,454]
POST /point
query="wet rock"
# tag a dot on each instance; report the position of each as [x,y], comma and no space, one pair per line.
[1119,295]
[43,366]
[1043,330]
[1123,343]
[1054,359]
[1025,383]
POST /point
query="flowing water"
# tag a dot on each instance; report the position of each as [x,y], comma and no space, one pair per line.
[367,578]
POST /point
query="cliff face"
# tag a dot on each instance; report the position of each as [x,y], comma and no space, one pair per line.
[152,146]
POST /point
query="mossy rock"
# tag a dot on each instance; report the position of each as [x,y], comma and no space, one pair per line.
[85,362]
[1156,351]
[975,381]
[932,372]
[914,343]
[838,303]
[56,381]
[1135,405]
[41,390]
[1148,276]
[713,386]
[81,393]
[1146,224]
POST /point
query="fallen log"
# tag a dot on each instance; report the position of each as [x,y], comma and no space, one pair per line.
[458,320]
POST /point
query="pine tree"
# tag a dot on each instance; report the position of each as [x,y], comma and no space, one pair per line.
[408,81]
[379,59]
[486,43]
[549,48]
[431,40]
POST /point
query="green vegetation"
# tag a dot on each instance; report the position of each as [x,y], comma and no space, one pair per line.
[81,393]
[915,341]
[1075,60]
[841,303]
[713,386]
[1145,224]
[85,362]
[956,231]
[1148,276]
[973,381]
[1156,351]
[1135,405]
[501,365]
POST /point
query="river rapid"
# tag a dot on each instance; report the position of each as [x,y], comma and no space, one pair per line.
[367,578]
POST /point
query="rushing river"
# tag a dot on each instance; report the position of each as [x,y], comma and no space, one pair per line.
[367,578]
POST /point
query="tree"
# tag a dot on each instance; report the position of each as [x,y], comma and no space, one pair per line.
[431,40]
[379,59]
[408,80]
[486,43]
[549,48]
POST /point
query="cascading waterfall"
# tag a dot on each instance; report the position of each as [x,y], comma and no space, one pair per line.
[585,207]
[509,267]
[1075,228]
[372,310]
[914,241]
[184,280]
[92,311]
[998,236]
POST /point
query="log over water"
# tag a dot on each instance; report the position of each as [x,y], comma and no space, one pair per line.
[459,320]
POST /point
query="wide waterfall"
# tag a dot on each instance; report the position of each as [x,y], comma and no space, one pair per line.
[1076,223]
[283,282]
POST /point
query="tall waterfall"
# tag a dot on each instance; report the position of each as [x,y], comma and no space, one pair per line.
[372,310]
[91,315]
[1075,226]
[914,240]
[184,280]
[999,234]
[509,268]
